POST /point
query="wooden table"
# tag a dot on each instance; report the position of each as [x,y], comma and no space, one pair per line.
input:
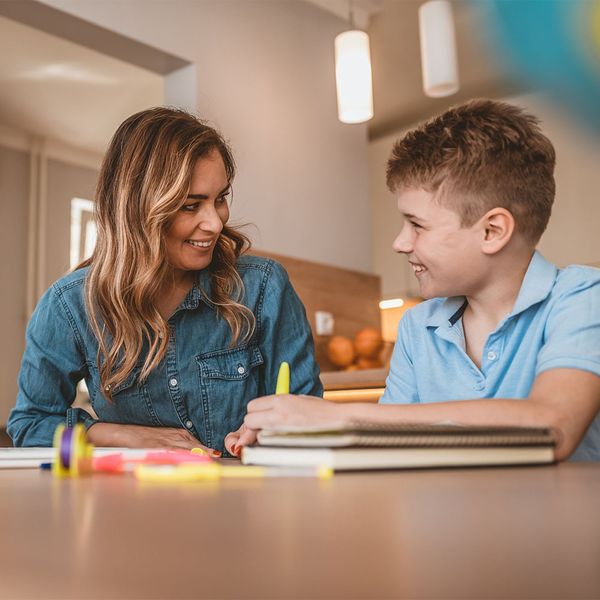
[528,532]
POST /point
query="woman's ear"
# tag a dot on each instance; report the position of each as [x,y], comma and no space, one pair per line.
[498,227]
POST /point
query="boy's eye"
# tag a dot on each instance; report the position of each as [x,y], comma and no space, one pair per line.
[415,225]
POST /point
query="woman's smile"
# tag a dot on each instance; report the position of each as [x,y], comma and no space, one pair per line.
[200,244]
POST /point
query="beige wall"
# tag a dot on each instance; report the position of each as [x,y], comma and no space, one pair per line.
[64,181]
[265,76]
[572,235]
[14,186]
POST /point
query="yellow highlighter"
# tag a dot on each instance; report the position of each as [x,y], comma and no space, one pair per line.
[283,379]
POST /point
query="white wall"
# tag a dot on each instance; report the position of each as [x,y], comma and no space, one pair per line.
[397,280]
[572,235]
[265,77]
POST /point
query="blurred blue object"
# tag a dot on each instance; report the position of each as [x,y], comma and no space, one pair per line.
[555,46]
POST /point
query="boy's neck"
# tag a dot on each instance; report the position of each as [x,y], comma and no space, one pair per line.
[496,297]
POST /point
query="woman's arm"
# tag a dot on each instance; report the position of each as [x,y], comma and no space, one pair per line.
[52,365]
[285,335]
[140,436]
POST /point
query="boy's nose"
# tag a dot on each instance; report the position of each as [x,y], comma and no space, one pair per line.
[402,243]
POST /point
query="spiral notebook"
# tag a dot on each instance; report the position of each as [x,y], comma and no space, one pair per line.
[360,446]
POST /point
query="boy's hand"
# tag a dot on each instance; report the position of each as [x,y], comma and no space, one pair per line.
[140,436]
[286,410]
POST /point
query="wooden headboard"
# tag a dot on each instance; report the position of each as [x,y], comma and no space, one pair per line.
[352,297]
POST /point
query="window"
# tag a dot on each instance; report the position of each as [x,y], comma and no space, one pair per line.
[83,230]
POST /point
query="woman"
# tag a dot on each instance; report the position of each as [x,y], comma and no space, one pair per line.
[173,330]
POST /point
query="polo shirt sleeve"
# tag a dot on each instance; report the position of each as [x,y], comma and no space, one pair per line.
[401,384]
[572,332]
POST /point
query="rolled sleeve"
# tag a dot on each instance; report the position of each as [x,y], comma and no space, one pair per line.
[51,367]
[285,335]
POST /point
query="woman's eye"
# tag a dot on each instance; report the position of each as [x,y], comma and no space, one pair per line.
[190,207]
[223,199]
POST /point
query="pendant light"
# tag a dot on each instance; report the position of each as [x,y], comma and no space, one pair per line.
[438,49]
[353,75]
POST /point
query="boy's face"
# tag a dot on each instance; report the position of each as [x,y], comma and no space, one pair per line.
[446,258]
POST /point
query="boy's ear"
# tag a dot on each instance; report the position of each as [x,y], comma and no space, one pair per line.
[498,226]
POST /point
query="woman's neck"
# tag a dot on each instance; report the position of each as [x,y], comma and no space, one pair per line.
[173,292]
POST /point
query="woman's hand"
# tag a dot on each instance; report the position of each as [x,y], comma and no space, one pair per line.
[286,410]
[236,439]
[140,436]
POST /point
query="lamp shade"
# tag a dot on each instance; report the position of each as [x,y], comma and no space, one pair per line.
[438,49]
[353,77]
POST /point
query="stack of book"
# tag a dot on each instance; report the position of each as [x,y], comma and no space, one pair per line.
[359,446]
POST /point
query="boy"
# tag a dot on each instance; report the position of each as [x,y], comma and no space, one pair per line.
[505,335]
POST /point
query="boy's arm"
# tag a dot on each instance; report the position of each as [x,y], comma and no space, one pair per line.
[567,400]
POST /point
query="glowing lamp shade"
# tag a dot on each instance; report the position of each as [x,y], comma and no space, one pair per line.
[353,77]
[438,49]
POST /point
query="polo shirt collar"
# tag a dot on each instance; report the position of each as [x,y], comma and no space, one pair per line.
[537,284]
[447,313]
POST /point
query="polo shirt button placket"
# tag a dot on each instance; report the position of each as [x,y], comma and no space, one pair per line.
[480,385]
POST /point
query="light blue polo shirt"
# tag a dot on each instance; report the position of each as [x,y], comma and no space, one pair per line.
[555,323]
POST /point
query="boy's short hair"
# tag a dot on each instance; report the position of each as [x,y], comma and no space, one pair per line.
[478,156]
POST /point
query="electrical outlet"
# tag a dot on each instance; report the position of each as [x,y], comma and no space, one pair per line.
[324,322]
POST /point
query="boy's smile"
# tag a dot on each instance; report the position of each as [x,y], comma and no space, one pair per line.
[445,257]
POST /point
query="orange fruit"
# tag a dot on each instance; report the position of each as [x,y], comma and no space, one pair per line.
[369,363]
[340,351]
[368,343]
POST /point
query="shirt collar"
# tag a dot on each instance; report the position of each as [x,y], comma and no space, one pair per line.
[537,285]
[447,312]
[200,291]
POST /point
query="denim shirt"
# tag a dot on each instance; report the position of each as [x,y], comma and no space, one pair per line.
[202,384]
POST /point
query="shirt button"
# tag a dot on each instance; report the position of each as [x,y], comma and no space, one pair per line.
[189,424]
[241,370]
[491,355]
[173,382]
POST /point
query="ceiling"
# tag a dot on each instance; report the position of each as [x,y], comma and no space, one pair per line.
[58,89]
[396,61]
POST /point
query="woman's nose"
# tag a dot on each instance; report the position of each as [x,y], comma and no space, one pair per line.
[209,220]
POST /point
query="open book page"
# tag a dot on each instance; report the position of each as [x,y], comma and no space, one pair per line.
[32,458]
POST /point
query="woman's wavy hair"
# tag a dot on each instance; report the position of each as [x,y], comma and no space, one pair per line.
[144,181]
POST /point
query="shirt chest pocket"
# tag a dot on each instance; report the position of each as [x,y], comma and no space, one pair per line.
[228,380]
[235,365]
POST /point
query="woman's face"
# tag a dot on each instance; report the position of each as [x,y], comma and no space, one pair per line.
[192,235]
